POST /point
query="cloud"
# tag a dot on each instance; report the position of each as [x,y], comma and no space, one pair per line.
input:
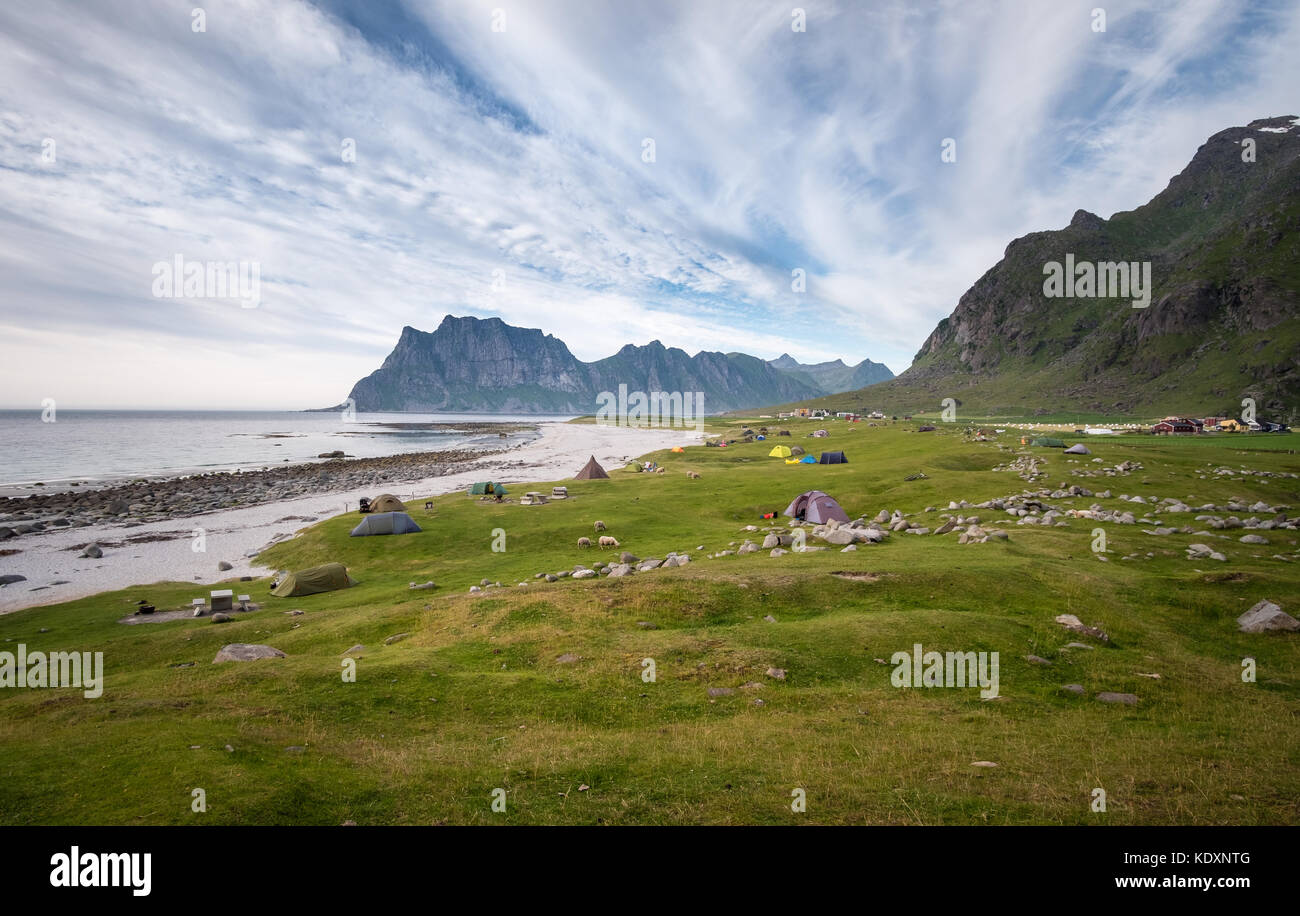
[517,157]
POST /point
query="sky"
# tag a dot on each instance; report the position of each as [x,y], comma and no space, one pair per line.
[381,163]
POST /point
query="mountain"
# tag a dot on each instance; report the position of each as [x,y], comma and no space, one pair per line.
[1223,324]
[487,366]
[834,377]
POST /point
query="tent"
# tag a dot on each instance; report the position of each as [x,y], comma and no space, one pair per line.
[780,451]
[387,503]
[833,458]
[820,434]
[591,471]
[327,578]
[807,459]
[759,438]
[385,523]
[1079,449]
[797,450]
[815,506]
[487,488]
[1047,442]
[677,449]
[926,429]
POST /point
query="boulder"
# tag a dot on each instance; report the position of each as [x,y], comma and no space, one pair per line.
[245,652]
[1127,699]
[1266,616]
[92,552]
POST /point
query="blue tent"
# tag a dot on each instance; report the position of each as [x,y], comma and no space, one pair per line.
[808,459]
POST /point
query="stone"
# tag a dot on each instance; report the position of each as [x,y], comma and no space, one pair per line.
[568,658]
[1127,699]
[776,673]
[720,691]
[1253,539]
[221,618]
[245,652]
[223,566]
[620,570]
[1036,660]
[357,648]
[1076,689]
[584,574]
[1266,616]
[398,637]
[92,552]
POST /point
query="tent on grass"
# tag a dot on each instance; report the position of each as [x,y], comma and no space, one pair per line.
[677,449]
[313,581]
[385,523]
[807,459]
[797,450]
[833,458]
[591,471]
[817,507]
[1047,442]
[487,488]
[387,503]
[1078,449]
[780,451]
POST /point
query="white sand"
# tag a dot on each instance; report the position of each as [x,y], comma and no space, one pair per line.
[559,453]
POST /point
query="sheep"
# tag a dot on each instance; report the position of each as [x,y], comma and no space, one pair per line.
[600,526]
[692,475]
[608,542]
[584,542]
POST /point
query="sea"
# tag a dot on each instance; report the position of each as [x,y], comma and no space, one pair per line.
[105,446]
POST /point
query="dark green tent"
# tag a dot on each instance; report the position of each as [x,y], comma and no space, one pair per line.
[487,488]
[327,578]
[1047,442]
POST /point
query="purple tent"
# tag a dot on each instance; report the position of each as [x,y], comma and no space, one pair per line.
[815,506]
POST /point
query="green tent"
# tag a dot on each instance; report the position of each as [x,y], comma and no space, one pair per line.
[327,578]
[487,488]
[1047,442]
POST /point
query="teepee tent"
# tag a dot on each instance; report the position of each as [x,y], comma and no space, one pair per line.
[591,471]
[385,523]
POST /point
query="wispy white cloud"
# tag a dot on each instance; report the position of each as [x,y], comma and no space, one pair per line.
[517,156]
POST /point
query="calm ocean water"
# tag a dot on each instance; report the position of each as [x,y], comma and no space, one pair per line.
[96,445]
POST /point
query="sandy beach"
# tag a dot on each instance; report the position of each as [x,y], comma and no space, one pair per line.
[161,551]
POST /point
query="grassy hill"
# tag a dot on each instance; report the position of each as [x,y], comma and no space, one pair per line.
[477,696]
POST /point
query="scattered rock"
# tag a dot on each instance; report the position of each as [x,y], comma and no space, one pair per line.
[245,652]
[396,638]
[1266,616]
[1127,699]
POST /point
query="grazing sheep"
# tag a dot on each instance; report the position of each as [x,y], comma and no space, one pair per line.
[608,542]
[600,526]
[692,475]
[584,542]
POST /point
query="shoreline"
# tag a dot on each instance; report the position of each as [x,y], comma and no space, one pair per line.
[146,549]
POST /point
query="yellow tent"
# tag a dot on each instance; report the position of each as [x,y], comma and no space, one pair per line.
[781,451]
[677,449]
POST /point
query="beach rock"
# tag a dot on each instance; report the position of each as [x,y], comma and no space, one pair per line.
[223,566]
[1127,699]
[1266,616]
[92,552]
[245,652]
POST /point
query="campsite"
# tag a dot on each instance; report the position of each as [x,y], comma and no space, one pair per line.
[537,686]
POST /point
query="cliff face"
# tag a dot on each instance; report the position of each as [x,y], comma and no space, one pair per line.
[1223,241]
[486,365]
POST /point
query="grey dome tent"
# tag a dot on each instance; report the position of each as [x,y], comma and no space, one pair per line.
[385,523]
[833,458]
[1078,449]
[817,507]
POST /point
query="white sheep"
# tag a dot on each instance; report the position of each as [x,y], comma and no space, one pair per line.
[608,542]
[600,526]
[584,542]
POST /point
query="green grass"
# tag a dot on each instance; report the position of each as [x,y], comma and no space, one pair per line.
[474,699]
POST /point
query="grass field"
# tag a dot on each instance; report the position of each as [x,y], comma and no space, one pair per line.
[476,698]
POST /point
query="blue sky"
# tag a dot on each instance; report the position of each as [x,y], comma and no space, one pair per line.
[516,155]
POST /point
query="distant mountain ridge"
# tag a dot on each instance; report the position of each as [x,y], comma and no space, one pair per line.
[484,365]
[835,376]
